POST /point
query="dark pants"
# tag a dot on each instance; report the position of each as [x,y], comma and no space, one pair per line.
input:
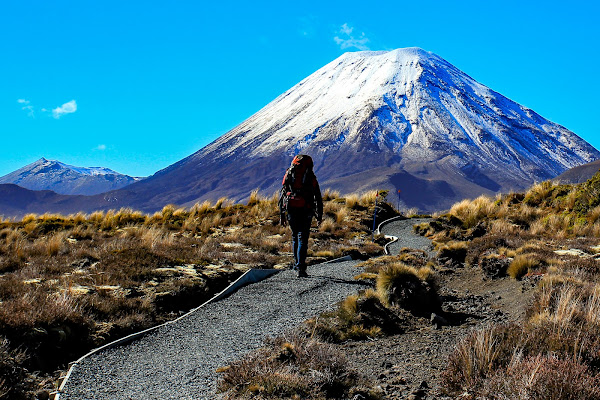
[300,221]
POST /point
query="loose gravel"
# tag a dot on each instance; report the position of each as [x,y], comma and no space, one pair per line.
[179,361]
[403,230]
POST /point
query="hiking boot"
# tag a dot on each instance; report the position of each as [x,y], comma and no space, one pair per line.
[302,274]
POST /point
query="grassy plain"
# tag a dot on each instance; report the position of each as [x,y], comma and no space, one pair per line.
[72,283]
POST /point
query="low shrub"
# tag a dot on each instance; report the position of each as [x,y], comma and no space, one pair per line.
[408,288]
[293,366]
[478,356]
[357,317]
[12,372]
[456,252]
[544,378]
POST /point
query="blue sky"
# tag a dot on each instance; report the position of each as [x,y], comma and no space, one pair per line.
[137,85]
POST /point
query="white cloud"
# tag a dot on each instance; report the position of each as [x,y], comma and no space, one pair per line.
[27,107]
[346,40]
[67,108]
[346,30]
[101,147]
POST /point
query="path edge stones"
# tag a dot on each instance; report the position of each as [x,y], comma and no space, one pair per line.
[393,239]
[253,275]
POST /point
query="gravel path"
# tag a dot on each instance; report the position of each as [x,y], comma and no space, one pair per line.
[178,361]
[403,229]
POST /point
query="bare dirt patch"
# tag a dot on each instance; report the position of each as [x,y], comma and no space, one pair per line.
[409,365]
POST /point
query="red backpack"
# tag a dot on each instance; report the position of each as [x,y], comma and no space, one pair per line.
[298,184]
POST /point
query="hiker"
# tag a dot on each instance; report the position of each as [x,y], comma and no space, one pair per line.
[300,200]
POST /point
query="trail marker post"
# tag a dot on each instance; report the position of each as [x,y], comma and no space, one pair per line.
[374,217]
[398,200]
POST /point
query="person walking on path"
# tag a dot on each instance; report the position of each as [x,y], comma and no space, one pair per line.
[300,200]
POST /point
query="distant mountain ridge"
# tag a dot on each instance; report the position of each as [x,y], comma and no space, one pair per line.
[404,120]
[580,173]
[67,179]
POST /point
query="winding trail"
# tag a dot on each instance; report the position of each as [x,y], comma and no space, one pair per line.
[403,230]
[179,361]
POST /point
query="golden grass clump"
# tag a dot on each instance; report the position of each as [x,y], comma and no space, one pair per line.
[503,227]
[454,250]
[329,195]
[254,198]
[375,264]
[393,278]
[521,265]
[331,207]
[155,237]
[167,211]
[352,201]
[198,209]
[568,303]
[324,253]
[55,243]
[29,218]
[328,225]
[471,212]
[474,358]
[594,214]
[341,215]
[539,192]
[368,198]
[221,202]
[411,212]
[96,217]
[537,227]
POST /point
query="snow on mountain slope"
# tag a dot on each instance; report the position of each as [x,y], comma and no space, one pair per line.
[67,179]
[407,110]
[419,100]
[401,120]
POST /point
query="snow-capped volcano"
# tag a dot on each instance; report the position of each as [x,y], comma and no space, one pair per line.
[62,178]
[403,120]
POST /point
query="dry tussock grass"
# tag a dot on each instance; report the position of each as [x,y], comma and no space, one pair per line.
[555,353]
[106,274]
[521,265]
[544,377]
[473,211]
[410,288]
[293,366]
